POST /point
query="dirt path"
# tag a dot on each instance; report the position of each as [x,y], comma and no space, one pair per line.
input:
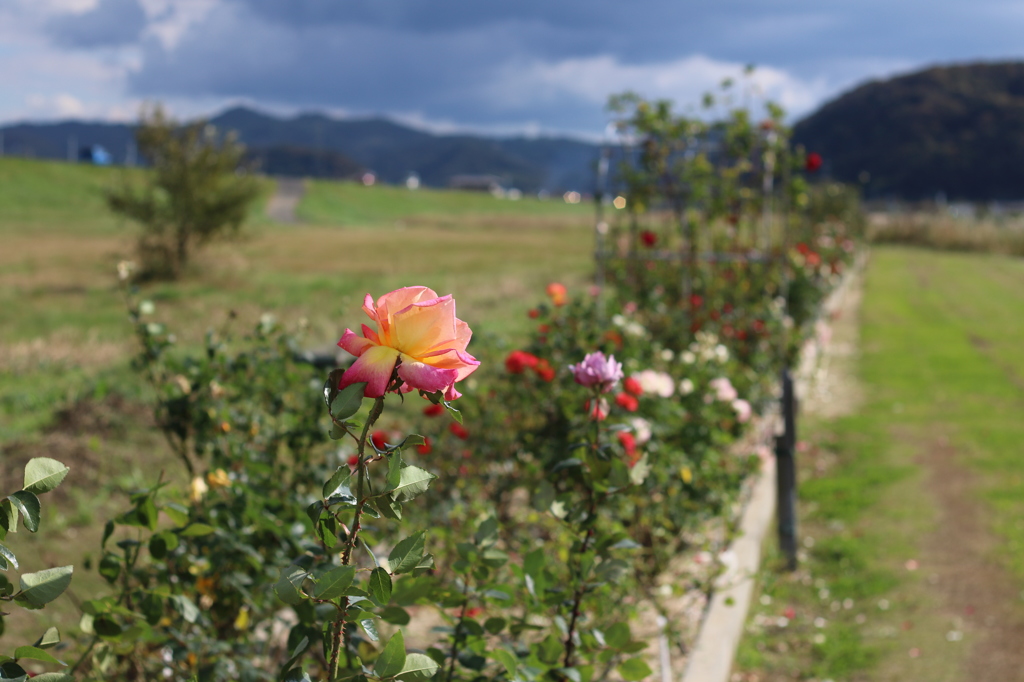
[285,200]
[966,580]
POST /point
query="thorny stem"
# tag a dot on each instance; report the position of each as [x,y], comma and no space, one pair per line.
[457,634]
[339,621]
[570,638]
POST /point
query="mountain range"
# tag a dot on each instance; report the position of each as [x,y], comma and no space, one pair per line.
[318,145]
[954,131]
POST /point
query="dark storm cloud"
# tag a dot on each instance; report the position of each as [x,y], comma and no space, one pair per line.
[110,23]
[471,61]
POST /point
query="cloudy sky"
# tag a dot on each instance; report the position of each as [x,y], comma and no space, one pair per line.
[524,65]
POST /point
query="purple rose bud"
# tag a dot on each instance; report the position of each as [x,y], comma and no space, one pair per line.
[598,371]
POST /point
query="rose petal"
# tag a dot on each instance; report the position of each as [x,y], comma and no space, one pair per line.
[374,366]
[422,326]
[356,345]
[421,376]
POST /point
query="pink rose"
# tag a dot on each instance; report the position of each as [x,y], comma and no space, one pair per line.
[417,330]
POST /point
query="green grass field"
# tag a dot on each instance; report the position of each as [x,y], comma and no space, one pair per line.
[61,313]
[66,389]
[912,506]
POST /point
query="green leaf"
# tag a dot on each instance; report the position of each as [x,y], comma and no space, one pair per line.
[413,482]
[43,474]
[331,386]
[507,659]
[640,470]
[289,586]
[177,513]
[494,625]
[53,677]
[370,628]
[40,588]
[334,583]
[152,608]
[12,671]
[106,627]
[380,586]
[50,638]
[407,554]
[617,636]
[456,415]
[395,615]
[186,607]
[8,517]
[36,654]
[347,402]
[337,481]
[110,567]
[388,508]
[634,669]
[28,504]
[6,555]
[418,667]
[296,675]
[392,659]
[394,478]
[197,530]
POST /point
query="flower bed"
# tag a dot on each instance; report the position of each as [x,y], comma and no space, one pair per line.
[505,514]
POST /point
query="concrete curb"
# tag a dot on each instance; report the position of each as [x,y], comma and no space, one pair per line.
[712,656]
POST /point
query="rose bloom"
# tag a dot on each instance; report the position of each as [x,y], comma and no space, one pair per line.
[628,443]
[557,292]
[632,386]
[642,429]
[655,382]
[379,439]
[433,410]
[418,329]
[544,370]
[686,387]
[743,410]
[518,360]
[648,238]
[458,430]
[627,402]
[724,390]
[599,371]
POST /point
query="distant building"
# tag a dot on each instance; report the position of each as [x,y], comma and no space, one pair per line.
[96,155]
[477,183]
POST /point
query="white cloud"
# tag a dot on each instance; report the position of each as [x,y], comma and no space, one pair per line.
[170,20]
[684,81]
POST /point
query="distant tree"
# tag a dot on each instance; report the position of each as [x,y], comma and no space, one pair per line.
[196,189]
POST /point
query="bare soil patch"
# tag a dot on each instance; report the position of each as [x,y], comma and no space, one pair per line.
[970,582]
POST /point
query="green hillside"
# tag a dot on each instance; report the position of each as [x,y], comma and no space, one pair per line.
[956,130]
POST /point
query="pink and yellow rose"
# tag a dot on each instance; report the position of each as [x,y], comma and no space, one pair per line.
[417,330]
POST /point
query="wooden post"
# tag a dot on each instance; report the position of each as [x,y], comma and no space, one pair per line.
[785,447]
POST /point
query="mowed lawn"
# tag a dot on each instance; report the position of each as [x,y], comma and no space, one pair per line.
[912,507]
[62,316]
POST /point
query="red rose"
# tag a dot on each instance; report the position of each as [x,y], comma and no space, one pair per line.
[627,402]
[517,361]
[433,410]
[353,461]
[379,439]
[628,442]
[696,300]
[458,430]
[648,238]
[544,370]
[633,386]
[533,313]
[813,162]
[426,448]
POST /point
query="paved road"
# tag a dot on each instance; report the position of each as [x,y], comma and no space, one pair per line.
[286,198]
